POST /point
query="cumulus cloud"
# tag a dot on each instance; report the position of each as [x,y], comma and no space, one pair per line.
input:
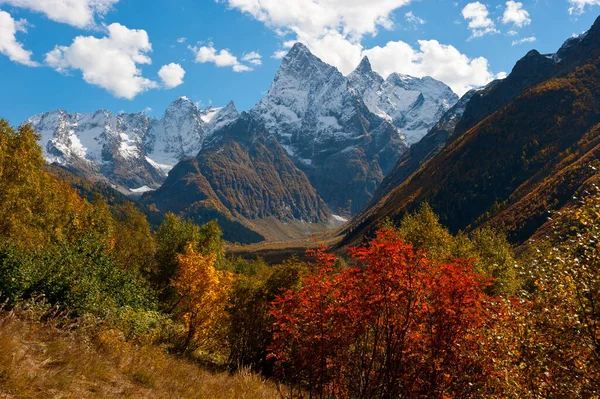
[78,13]
[110,62]
[171,75]
[312,17]
[480,23]
[515,14]
[530,39]
[578,6]
[9,46]
[333,30]
[221,58]
[279,54]
[442,62]
[253,58]
[181,40]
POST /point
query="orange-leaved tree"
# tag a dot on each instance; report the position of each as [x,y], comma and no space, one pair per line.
[202,293]
[396,325]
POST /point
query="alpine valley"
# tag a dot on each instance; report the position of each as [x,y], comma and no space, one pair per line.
[307,157]
[344,235]
[322,148]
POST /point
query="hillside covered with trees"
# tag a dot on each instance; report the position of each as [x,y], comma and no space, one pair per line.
[416,312]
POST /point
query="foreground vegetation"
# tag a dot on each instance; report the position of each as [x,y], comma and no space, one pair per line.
[98,304]
[62,358]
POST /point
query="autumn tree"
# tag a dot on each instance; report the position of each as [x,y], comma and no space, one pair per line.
[553,328]
[490,251]
[398,325]
[250,329]
[202,293]
[135,245]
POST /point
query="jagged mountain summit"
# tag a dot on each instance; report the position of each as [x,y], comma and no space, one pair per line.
[321,145]
[132,152]
[414,105]
[343,147]
[182,130]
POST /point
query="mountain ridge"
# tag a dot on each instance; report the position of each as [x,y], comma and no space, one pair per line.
[488,174]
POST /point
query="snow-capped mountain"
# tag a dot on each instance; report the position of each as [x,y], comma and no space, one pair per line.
[217,118]
[182,130]
[414,105]
[344,133]
[130,151]
[344,148]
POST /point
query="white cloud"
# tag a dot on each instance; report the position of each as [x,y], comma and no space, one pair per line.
[110,62]
[480,23]
[78,13]
[442,62]
[313,17]
[171,75]
[333,31]
[512,33]
[516,14]
[524,40]
[253,58]
[336,50]
[578,6]
[279,54]
[181,40]
[221,58]
[9,46]
[413,19]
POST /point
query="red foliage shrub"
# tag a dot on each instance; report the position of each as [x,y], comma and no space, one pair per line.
[397,325]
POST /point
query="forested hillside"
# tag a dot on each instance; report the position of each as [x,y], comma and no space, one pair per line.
[96,304]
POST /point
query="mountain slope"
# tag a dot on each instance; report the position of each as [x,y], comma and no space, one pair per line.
[328,131]
[241,174]
[99,145]
[413,105]
[422,151]
[471,109]
[495,172]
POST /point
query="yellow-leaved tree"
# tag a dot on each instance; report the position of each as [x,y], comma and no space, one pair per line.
[202,295]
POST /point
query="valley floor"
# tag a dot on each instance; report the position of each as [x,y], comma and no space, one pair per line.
[277,251]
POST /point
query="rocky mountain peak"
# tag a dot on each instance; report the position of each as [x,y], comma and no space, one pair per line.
[364,67]
[300,63]
[217,118]
[412,104]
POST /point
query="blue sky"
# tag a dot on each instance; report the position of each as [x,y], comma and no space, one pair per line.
[85,55]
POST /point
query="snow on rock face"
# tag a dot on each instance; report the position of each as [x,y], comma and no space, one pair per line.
[217,118]
[308,102]
[177,135]
[183,129]
[95,138]
[130,150]
[316,115]
[141,190]
[414,105]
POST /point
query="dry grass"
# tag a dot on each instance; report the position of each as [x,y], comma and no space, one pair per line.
[41,360]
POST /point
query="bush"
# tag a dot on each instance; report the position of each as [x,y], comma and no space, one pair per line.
[79,276]
[250,324]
